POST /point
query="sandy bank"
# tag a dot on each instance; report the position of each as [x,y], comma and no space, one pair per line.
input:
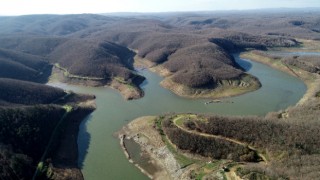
[142,131]
[311,80]
[225,88]
[128,91]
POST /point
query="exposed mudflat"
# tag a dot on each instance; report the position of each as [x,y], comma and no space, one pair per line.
[142,131]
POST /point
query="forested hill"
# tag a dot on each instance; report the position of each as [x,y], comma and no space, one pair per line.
[193,48]
[31,116]
[28,93]
[24,134]
[97,46]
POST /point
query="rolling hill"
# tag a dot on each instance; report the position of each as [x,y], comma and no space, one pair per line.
[193,49]
[96,47]
[28,93]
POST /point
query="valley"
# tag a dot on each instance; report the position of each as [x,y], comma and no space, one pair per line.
[70,85]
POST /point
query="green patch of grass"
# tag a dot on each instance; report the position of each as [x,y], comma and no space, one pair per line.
[224,175]
[151,121]
[43,171]
[120,79]
[66,73]
[68,108]
[180,121]
[318,94]
[206,168]
[212,165]
[183,160]
[200,175]
[246,173]
[157,122]
[230,165]
[131,86]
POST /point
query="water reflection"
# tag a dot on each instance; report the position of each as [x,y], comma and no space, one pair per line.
[83,141]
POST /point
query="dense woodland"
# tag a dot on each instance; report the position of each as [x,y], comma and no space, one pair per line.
[290,140]
[24,134]
[195,47]
[265,133]
[307,63]
[27,124]
[28,93]
[207,146]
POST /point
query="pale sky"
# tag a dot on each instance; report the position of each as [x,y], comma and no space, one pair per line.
[20,7]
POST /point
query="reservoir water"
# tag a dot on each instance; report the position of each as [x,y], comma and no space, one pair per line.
[283,53]
[100,154]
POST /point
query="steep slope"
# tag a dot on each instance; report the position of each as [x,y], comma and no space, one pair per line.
[28,93]
[23,66]
[186,46]
[24,134]
[31,44]
[193,66]
[92,59]
[32,61]
[79,59]
[31,116]
[201,65]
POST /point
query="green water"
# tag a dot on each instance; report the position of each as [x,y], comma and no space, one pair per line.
[100,155]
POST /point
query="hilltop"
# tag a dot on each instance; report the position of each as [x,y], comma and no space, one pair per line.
[99,50]
[28,93]
[192,51]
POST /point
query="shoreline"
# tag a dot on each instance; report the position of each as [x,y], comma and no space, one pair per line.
[142,131]
[159,162]
[310,80]
[65,159]
[224,91]
[227,88]
[169,167]
[127,91]
[125,150]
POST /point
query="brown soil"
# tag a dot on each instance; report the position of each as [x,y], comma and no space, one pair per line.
[228,89]
[128,92]
[151,142]
[57,75]
[142,131]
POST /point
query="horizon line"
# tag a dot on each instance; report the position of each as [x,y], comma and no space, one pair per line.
[165,12]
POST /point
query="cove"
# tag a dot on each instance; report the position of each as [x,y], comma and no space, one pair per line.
[100,154]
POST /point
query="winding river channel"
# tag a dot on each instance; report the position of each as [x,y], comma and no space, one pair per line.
[100,154]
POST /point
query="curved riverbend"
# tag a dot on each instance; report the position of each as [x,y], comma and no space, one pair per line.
[100,155]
